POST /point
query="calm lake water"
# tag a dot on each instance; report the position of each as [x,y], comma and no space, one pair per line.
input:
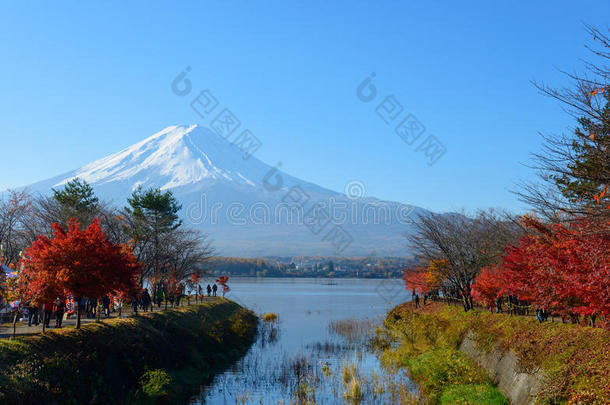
[301,356]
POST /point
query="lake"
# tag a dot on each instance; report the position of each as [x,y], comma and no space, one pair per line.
[302,357]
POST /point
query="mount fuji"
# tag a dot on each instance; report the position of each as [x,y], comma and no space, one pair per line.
[247,207]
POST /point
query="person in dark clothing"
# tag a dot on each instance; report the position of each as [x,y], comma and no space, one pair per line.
[106,305]
[209,290]
[90,308]
[32,314]
[425,299]
[48,311]
[146,300]
[214,289]
[499,305]
[416,301]
[159,297]
[59,307]
[134,304]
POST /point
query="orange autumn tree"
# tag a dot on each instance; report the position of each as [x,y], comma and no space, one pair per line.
[84,263]
[425,279]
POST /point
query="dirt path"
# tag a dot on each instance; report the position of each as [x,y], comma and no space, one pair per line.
[6,329]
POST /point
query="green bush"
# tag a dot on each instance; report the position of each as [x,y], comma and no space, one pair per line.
[441,368]
[467,394]
[155,383]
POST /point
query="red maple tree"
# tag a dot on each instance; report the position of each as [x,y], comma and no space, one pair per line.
[83,263]
[564,268]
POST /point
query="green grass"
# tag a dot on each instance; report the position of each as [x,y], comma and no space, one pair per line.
[123,360]
[468,394]
[575,359]
[440,368]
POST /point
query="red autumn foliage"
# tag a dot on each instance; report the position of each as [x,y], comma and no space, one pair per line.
[488,286]
[83,263]
[561,268]
[174,286]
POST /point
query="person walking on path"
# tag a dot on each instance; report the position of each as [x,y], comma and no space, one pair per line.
[106,305]
[159,297]
[48,311]
[32,314]
[214,289]
[59,307]
[416,301]
[209,290]
[146,300]
[134,304]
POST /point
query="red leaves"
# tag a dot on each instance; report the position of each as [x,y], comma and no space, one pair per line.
[487,287]
[79,262]
[562,268]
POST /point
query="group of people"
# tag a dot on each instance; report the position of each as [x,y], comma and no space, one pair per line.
[212,290]
[64,308]
[37,314]
[417,299]
[61,309]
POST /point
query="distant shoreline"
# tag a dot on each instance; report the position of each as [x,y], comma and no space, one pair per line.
[326,277]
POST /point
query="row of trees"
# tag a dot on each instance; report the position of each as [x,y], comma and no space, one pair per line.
[72,243]
[562,268]
[556,258]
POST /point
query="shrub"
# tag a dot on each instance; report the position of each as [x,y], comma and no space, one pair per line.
[155,383]
[270,317]
[442,367]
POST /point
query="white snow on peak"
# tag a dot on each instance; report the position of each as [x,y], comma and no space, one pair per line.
[174,157]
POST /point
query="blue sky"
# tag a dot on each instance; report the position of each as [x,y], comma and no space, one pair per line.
[81,80]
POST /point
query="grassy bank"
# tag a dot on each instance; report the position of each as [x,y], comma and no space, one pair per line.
[155,358]
[575,359]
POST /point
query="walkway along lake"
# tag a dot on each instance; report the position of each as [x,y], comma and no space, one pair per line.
[302,358]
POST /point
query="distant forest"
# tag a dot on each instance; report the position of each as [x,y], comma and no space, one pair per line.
[309,266]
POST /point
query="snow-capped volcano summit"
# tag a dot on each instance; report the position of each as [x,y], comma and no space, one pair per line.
[248,207]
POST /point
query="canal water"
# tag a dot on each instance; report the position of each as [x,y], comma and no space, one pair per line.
[317,351]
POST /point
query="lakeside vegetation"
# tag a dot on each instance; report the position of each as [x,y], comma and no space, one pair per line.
[160,357]
[574,359]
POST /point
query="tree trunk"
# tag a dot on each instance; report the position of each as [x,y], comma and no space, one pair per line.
[44,318]
[464,303]
[15,322]
[78,314]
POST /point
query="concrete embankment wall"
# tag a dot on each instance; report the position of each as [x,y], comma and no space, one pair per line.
[502,366]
